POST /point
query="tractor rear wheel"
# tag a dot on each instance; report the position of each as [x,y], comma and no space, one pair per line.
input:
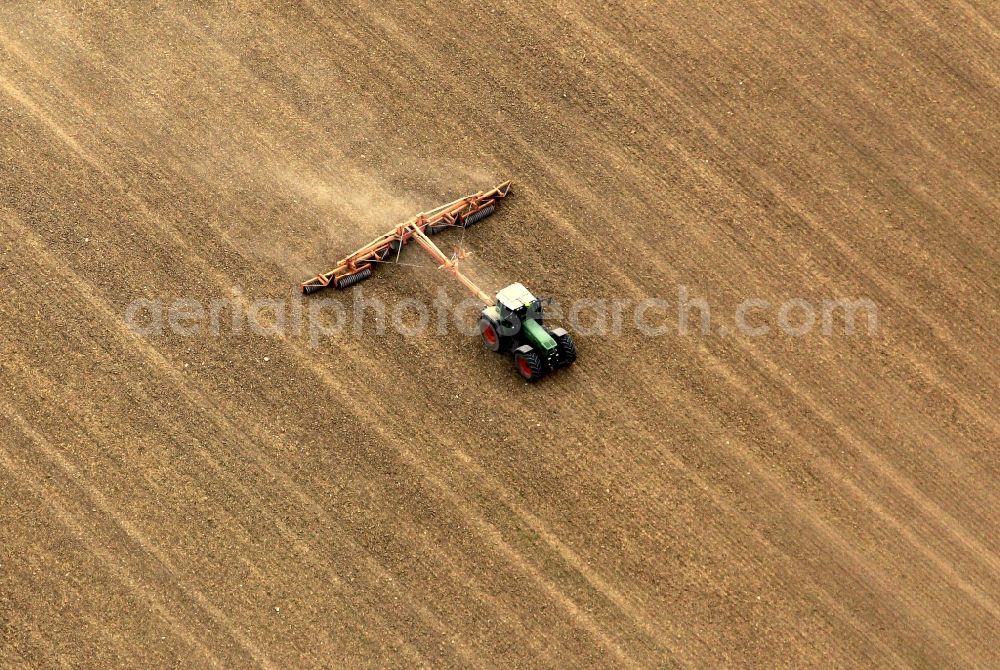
[492,339]
[567,350]
[529,364]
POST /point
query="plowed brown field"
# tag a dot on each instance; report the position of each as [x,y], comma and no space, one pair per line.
[243,500]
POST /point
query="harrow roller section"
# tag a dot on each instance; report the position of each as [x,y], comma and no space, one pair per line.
[460,213]
[479,215]
[352,279]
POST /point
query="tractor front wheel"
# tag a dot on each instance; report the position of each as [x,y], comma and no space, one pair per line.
[564,345]
[567,350]
[529,364]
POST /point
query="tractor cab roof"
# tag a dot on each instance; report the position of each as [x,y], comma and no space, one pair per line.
[515,296]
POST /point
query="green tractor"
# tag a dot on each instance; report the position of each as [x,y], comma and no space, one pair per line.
[516,325]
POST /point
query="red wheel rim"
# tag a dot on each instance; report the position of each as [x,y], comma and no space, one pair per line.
[522,365]
[490,335]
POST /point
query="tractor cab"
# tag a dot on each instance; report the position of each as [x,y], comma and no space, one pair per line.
[516,304]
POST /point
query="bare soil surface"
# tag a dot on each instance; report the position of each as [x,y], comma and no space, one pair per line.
[709,500]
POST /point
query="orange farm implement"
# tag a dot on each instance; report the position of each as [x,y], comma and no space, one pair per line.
[512,322]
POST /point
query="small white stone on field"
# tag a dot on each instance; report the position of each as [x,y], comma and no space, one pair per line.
[266,359]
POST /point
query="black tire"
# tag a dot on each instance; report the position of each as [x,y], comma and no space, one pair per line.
[529,365]
[567,350]
[492,339]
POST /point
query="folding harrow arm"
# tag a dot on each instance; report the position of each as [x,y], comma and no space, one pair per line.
[449,264]
[463,212]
